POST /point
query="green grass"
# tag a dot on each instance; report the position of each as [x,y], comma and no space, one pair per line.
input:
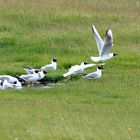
[33,32]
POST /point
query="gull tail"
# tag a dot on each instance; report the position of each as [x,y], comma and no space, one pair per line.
[26,67]
[67,74]
[19,78]
[95,59]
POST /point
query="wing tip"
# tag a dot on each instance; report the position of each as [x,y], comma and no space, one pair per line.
[93,28]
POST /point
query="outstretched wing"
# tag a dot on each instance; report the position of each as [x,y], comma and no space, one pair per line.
[108,43]
[106,49]
[73,68]
[89,65]
[98,39]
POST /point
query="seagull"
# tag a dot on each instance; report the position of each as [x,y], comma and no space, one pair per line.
[78,69]
[29,70]
[12,80]
[51,66]
[103,46]
[30,77]
[94,75]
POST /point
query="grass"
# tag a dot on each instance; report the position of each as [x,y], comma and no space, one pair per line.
[33,32]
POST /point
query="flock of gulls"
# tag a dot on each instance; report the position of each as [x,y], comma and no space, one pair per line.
[33,75]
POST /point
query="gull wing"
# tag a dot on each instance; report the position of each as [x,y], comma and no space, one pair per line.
[68,73]
[89,65]
[106,49]
[29,71]
[47,67]
[73,68]
[3,77]
[26,77]
[8,77]
[98,39]
[108,43]
[92,75]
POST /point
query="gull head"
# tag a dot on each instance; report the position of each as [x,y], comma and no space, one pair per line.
[40,71]
[100,67]
[44,72]
[85,63]
[114,54]
[54,60]
[36,71]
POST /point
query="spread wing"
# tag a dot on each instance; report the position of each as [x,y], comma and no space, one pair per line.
[108,43]
[98,39]
[106,49]
[89,65]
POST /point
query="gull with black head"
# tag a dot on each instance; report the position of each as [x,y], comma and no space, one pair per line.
[51,66]
[76,69]
[103,46]
[94,75]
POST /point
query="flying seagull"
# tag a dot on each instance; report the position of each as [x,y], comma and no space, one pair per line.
[103,46]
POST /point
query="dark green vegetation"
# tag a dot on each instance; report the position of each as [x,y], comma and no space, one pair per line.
[33,32]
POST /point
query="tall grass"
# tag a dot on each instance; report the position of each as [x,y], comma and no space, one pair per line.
[33,32]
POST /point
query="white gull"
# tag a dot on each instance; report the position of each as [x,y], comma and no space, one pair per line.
[78,69]
[94,75]
[103,46]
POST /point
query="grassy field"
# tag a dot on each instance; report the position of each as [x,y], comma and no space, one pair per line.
[33,32]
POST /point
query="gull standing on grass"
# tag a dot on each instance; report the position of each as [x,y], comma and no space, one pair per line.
[51,66]
[29,70]
[29,77]
[78,68]
[103,46]
[94,75]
